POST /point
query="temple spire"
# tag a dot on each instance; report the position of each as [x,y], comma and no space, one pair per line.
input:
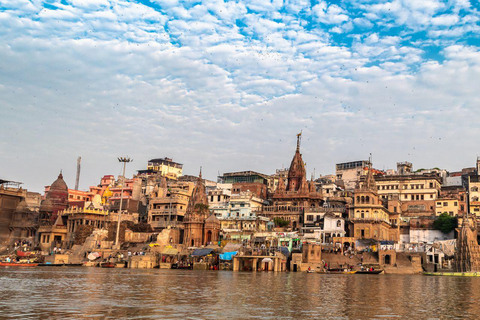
[299,139]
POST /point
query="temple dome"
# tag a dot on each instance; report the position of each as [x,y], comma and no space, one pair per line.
[46,205]
[59,184]
[22,206]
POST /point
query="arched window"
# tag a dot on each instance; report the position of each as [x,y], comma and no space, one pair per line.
[367,199]
[363,199]
[362,214]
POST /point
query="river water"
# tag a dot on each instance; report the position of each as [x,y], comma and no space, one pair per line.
[95,293]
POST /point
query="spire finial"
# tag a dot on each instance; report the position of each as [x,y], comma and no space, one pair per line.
[299,138]
[200,175]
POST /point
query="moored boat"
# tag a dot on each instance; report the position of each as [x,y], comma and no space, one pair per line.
[17,264]
[369,271]
[108,264]
[453,274]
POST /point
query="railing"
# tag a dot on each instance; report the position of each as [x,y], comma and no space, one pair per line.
[165,224]
[78,210]
[267,209]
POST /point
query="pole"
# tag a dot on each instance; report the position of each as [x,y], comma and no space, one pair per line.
[124,160]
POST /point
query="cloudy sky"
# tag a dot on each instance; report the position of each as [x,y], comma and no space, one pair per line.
[228,84]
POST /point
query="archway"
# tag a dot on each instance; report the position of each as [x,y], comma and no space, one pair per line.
[387,259]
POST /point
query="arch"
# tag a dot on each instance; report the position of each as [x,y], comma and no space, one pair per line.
[367,199]
[362,199]
[387,259]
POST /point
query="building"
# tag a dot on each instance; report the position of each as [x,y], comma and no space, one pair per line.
[168,204]
[447,205]
[350,172]
[416,193]
[324,226]
[201,227]
[292,198]
[369,218]
[255,182]
[18,212]
[165,167]
[56,199]
[219,199]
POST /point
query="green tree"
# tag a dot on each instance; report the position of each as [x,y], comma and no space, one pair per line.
[280,222]
[445,223]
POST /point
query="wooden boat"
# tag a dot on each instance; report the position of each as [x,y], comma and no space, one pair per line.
[17,264]
[337,271]
[24,253]
[453,274]
[108,264]
[370,272]
[60,264]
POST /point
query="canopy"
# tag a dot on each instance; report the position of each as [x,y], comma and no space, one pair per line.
[93,256]
[169,251]
[202,252]
[228,255]
[232,247]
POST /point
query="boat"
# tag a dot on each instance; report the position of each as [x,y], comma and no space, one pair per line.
[17,264]
[370,272]
[453,274]
[60,264]
[108,264]
[337,271]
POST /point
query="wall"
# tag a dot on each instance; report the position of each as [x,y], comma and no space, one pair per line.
[428,235]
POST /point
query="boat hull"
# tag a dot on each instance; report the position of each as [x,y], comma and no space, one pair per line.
[13,264]
[453,274]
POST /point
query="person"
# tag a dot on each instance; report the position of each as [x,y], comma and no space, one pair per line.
[309,269]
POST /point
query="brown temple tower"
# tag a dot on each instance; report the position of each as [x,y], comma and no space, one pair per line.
[200,226]
[467,254]
[55,201]
[296,173]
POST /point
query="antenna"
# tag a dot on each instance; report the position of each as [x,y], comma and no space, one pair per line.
[77,180]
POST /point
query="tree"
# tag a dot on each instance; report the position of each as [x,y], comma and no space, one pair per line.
[445,223]
[280,222]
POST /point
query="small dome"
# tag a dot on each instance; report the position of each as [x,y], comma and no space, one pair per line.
[22,206]
[59,184]
[46,206]
[212,219]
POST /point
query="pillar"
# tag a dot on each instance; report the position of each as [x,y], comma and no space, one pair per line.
[255,266]
[236,263]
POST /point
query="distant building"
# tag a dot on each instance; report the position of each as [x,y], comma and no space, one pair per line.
[255,182]
[163,166]
[350,172]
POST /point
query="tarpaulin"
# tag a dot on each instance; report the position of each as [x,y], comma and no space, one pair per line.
[201,252]
[228,255]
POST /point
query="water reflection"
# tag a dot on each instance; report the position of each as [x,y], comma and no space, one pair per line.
[91,293]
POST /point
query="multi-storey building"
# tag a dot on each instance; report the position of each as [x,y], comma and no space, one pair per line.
[350,172]
[168,205]
[165,167]
[370,219]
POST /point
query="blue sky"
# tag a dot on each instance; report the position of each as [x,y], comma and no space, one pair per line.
[227,85]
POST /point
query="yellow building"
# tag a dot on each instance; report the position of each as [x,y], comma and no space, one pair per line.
[166,167]
[444,205]
[168,205]
[371,220]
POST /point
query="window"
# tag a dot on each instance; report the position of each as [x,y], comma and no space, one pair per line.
[413,197]
[462,207]
[431,184]
[395,209]
[445,204]
[439,203]
[218,198]
[309,217]
[422,197]
[211,199]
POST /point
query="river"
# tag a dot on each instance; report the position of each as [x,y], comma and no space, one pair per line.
[95,293]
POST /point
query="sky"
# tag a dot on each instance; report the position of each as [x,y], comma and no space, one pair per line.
[227,85]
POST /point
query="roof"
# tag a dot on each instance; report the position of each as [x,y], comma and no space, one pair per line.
[59,184]
[169,251]
[202,252]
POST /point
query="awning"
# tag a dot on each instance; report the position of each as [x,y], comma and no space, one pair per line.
[201,252]
[232,247]
[228,255]
[169,251]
